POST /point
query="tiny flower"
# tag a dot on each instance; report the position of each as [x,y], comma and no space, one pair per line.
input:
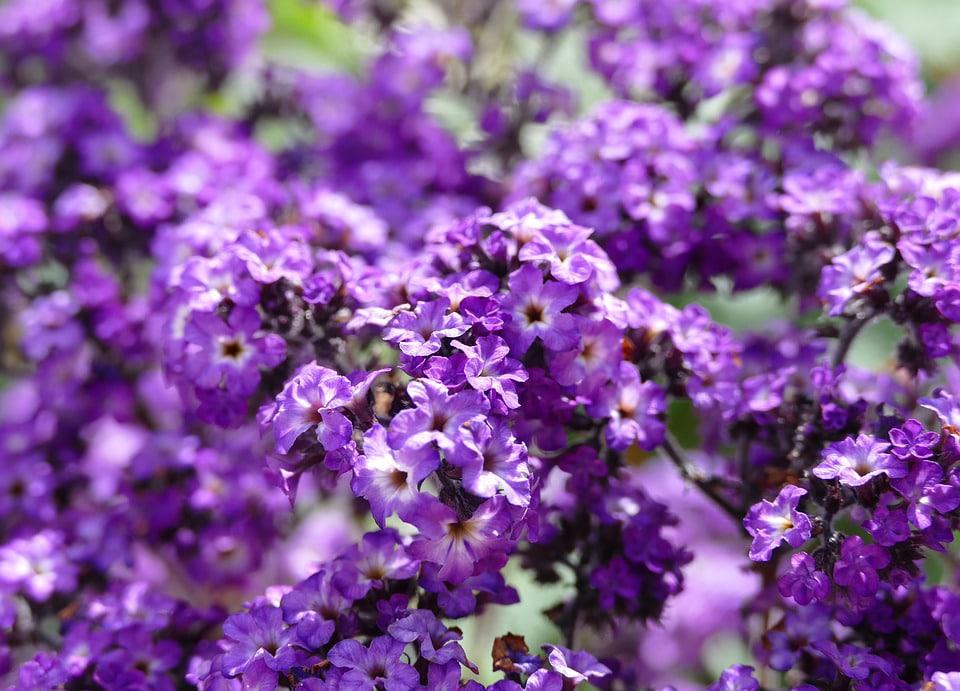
[378,559]
[420,332]
[228,354]
[947,408]
[597,354]
[770,523]
[488,368]
[461,546]
[854,462]
[311,398]
[926,494]
[803,581]
[37,565]
[376,666]
[439,416]
[635,410]
[853,274]
[888,526]
[258,635]
[578,666]
[492,461]
[437,643]
[946,681]
[858,565]
[570,255]
[388,478]
[913,440]
[736,678]
[536,310]
[852,660]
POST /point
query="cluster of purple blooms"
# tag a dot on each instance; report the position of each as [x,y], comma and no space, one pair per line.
[224,353]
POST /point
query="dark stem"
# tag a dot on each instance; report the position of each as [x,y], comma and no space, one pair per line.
[847,336]
[692,474]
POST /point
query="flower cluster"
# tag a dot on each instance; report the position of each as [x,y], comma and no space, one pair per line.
[299,387]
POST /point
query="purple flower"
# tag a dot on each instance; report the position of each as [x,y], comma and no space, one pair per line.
[312,397]
[736,678]
[888,526]
[770,523]
[536,310]
[439,416]
[419,333]
[259,635]
[578,666]
[597,355]
[803,581]
[44,671]
[858,565]
[389,478]
[230,353]
[925,493]
[367,668]
[635,410]
[21,222]
[313,607]
[854,462]
[462,546]
[913,440]
[489,369]
[853,274]
[37,565]
[378,559]
[492,461]
[437,643]
[947,408]
[546,16]
[221,279]
[946,681]
[852,660]
[570,255]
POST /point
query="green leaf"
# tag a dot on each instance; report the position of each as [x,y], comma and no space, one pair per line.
[308,35]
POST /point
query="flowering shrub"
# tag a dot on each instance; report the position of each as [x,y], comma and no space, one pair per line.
[301,381]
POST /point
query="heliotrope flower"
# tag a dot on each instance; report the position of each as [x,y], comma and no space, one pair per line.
[570,255]
[37,566]
[313,397]
[389,478]
[229,354]
[379,559]
[577,666]
[488,368]
[947,408]
[436,642]
[854,462]
[596,355]
[926,494]
[852,660]
[438,417]
[420,332]
[736,678]
[635,410]
[536,311]
[770,523]
[492,461]
[461,546]
[853,274]
[858,565]
[259,635]
[803,581]
[912,440]
[369,667]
